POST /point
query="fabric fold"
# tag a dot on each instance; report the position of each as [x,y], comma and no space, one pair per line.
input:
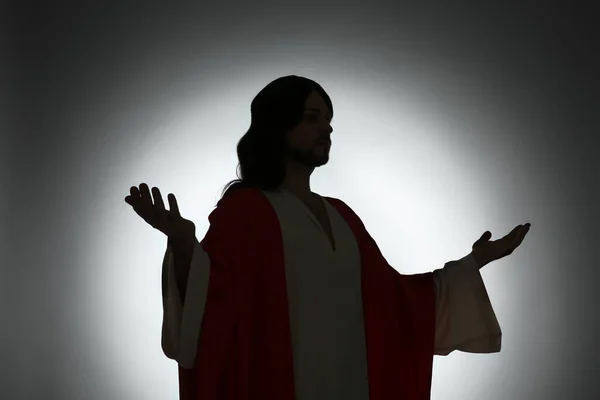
[465,318]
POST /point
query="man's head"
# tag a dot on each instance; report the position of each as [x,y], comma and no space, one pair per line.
[309,142]
[289,117]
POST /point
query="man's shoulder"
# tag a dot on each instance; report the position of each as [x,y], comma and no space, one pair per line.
[346,212]
[337,203]
[243,199]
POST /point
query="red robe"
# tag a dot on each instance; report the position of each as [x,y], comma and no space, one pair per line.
[245,351]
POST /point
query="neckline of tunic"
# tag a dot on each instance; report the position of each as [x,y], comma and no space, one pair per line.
[332,244]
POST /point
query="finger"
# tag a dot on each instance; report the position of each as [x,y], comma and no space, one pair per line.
[173,205]
[518,239]
[146,201]
[485,236]
[506,243]
[159,205]
[135,200]
[134,192]
[522,231]
[510,238]
[515,231]
[521,235]
[134,196]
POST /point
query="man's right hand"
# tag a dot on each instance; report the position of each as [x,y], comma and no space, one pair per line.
[180,231]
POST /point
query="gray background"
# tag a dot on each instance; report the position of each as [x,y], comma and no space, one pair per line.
[449,120]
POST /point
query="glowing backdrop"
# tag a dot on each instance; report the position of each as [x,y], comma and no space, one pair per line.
[449,121]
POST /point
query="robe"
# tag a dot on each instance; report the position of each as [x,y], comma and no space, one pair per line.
[272,311]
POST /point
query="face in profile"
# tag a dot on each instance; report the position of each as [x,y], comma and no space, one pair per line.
[309,142]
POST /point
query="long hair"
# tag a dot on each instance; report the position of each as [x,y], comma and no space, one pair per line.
[276,109]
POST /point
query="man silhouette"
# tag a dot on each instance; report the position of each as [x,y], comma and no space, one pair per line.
[288,296]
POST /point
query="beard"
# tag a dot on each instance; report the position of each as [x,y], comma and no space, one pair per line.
[315,157]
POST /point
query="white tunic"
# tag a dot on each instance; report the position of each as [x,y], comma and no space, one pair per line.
[325,305]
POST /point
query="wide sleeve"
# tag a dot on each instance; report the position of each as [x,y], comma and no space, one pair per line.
[198,332]
[181,323]
[465,319]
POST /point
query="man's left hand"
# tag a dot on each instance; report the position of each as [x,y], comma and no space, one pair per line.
[486,251]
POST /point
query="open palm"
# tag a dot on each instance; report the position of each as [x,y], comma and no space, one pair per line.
[179,230]
[485,251]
